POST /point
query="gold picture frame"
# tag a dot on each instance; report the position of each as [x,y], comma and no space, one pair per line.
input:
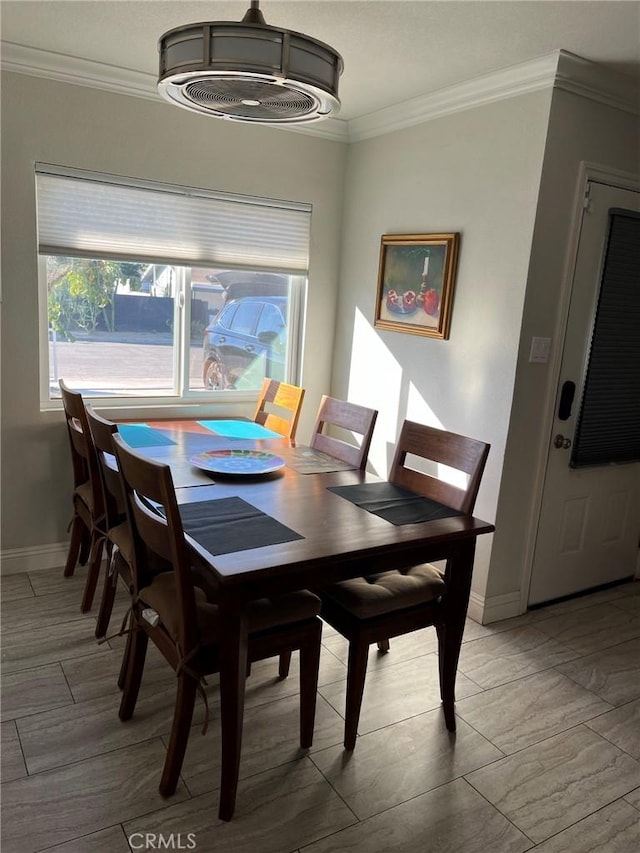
[416,277]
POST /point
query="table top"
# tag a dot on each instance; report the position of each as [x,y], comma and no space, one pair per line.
[339,539]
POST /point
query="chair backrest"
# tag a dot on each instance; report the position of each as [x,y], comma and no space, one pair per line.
[102,432]
[279,407]
[83,452]
[442,448]
[147,484]
[345,416]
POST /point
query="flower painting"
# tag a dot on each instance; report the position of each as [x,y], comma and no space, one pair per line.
[415,283]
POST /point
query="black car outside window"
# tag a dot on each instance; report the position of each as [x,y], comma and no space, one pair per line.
[271,319]
[227,315]
[246,317]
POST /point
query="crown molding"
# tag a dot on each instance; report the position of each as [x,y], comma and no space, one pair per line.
[559,69]
[80,72]
[591,80]
[335,129]
[496,86]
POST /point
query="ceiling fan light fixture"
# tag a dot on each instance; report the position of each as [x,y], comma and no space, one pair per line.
[249,71]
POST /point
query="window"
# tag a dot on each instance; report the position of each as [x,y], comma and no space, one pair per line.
[166,293]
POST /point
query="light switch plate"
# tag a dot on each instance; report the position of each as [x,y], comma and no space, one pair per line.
[539,352]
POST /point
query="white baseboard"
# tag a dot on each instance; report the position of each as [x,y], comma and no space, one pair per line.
[475,610]
[493,609]
[31,559]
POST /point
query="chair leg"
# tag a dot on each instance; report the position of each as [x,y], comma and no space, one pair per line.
[122,675]
[106,603]
[91,582]
[356,673]
[77,533]
[135,656]
[182,717]
[284,664]
[383,646]
[85,546]
[309,666]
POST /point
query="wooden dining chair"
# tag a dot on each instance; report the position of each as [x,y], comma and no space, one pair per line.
[376,607]
[88,528]
[118,537]
[182,620]
[344,420]
[279,406]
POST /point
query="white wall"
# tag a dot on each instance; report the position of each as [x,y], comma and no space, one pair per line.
[579,130]
[478,173]
[85,128]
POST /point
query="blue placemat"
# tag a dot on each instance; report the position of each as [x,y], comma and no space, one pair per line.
[239,429]
[226,525]
[393,503]
[141,435]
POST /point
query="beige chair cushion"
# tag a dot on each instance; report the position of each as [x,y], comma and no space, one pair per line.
[84,492]
[263,614]
[120,535]
[382,593]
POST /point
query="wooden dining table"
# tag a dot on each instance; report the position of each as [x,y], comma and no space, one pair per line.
[336,540]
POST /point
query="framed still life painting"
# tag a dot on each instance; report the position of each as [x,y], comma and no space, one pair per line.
[415,283]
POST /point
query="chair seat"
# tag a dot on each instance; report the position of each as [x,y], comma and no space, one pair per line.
[264,613]
[85,493]
[374,595]
[120,535]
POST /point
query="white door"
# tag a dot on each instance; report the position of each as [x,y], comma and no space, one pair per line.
[589,526]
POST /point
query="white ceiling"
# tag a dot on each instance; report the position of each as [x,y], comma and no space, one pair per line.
[393,50]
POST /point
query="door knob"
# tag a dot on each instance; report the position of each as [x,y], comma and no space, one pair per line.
[561,442]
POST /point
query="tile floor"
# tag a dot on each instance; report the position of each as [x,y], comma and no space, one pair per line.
[546,756]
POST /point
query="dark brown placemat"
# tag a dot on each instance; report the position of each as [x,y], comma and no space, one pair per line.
[393,503]
[226,525]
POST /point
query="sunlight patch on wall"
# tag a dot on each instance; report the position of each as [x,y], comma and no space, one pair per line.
[375,380]
[420,411]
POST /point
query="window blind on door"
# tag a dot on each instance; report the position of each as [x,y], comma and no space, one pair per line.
[608,429]
[86,214]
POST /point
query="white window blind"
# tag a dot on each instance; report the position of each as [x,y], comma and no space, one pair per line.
[92,215]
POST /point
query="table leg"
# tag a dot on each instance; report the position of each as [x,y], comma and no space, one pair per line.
[458,580]
[233,670]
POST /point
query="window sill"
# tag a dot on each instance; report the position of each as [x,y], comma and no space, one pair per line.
[228,403]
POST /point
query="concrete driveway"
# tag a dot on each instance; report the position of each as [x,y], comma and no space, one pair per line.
[120,364]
